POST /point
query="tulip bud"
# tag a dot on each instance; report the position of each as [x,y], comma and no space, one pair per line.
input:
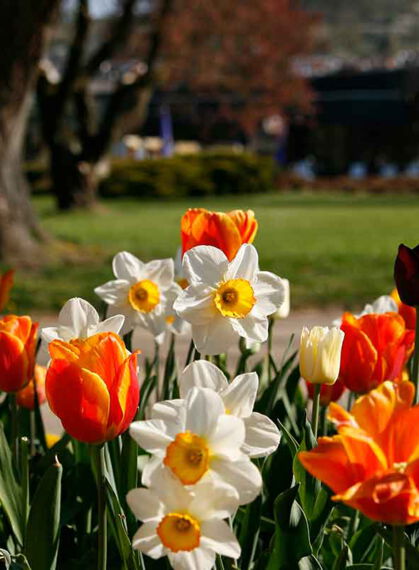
[17,352]
[320,350]
[406,274]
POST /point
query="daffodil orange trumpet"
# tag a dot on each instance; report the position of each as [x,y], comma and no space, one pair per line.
[376,348]
[17,352]
[372,464]
[92,386]
[227,231]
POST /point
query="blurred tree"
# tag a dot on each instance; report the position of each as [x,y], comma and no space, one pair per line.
[24,26]
[77,133]
[241,54]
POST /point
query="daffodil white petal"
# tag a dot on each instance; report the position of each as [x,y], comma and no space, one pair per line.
[240,395]
[127,266]
[269,290]
[199,558]
[204,374]
[114,292]
[112,324]
[78,314]
[213,500]
[242,474]
[153,435]
[161,271]
[228,437]
[262,435]
[244,265]
[148,474]
[145,505]
[218,536]
[171,492]
[253,327]
[216,337]
[146,540]
[49,334]
[205,264]
[203,409]
[196,304]
[171,410]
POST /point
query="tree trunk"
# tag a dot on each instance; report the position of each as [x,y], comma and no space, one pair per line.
[74,181]
[21,43]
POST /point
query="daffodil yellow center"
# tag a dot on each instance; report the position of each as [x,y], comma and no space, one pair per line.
[144,296]
[234,298]
[188,457]
[179,531]
[183,282]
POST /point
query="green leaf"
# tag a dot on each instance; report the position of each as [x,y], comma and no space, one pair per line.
[362,541]
[10,491]
[309,485]
[43,528]
[365,567]
[249,532]
[291,540]
[118,525]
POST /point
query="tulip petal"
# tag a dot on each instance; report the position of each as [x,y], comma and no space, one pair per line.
[14,363]
[80,399]
[124,396]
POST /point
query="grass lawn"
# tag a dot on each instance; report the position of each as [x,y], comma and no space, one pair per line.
[335,249]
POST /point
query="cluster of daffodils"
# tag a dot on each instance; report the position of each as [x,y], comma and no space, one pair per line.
[218,300]
[200,469]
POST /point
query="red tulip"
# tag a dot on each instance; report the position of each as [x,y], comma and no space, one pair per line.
[17,352]
[376,348]
[92,386]
[406,274]
[227,231]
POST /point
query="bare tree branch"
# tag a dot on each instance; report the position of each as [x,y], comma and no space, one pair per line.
[143,82]
[117,37]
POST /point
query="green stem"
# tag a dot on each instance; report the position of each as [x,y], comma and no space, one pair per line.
[99,459]
[269,347]
[399,553]
[316,409]
[415,367]
[353,524]
[190,352]
[380,555]
[24,466]
[15,429]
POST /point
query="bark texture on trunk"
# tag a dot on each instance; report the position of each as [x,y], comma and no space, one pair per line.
[21,43]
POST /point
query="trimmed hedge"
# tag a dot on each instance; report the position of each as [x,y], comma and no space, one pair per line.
[203,174]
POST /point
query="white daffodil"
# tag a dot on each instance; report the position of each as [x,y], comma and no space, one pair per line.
[143,292]
[79,319]
[197,440]
[262,435]
[186,525]
[227,300]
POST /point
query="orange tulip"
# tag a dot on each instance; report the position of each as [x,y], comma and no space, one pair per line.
[376,348]
[406,311]
[17,352]
[328,392]
[373,463]
[6,283]
[227,231]
[92,386]
[26,397]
